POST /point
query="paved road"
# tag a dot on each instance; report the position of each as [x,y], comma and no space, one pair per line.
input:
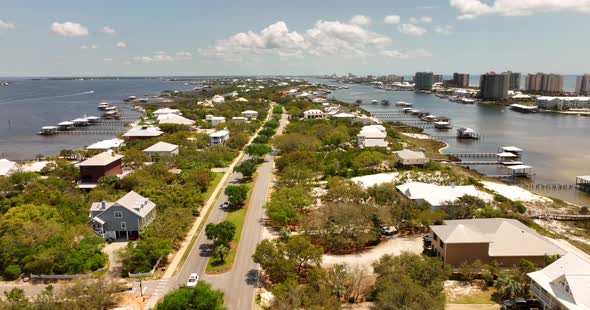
[239,284]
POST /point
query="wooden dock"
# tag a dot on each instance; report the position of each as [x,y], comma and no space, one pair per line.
[561,217]
[472,155]
[549,186]
[479,163]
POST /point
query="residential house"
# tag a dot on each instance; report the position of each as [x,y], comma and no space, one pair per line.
[104,164]
[346,116]
[104,145]
[218,99]
[241,99]
[505,241]
[411,158]
[174,119]
[219,137]
[165,111]
[239,119]
[7,167]
[250,114]
[564,284]
[162,148]
[313,114]
[372,136]
[142,132]
[435,196]
[215,120]
[123,219]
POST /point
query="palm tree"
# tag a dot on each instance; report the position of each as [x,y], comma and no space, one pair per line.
[509,286]
[221,251]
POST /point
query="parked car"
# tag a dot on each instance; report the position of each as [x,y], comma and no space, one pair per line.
[225,205]
[192,280]
[520,303]
[387,230]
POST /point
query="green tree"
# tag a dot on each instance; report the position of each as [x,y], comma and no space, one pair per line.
[221,252]
[300,250]
[238,140]
[464,207]
[134,157]
[201,297]
[222,233]
[509,286]
[237,194]
[247,168]
[258,150]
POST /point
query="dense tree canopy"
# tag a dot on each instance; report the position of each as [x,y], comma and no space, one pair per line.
[200,297]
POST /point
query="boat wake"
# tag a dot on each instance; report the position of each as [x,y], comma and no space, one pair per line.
[50,97]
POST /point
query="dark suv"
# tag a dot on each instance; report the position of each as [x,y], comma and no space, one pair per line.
[520,303]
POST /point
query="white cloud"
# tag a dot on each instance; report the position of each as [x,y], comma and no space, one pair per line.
[107,59]
[446,30]
[107,30]
[7,25]
[412,30]
[91,46]
[470,9]
[161,57]
[392,19]
[121,44]
[69,29]
[361,20]
[423,19]
[324,38]
[417,53]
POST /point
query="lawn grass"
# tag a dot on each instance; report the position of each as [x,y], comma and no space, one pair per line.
[237,217]
[478,297]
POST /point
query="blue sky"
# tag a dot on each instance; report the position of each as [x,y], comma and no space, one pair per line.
[57,38]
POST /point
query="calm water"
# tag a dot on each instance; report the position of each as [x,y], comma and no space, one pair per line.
[31,104]
[557,146]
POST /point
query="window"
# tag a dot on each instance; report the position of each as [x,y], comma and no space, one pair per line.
[442,244]
[435,237]
[118,214]
[123,225]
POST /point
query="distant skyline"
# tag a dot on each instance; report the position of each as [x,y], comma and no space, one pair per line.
[131,38]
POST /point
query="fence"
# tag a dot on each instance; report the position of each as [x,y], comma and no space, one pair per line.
[64,276]
[146,274]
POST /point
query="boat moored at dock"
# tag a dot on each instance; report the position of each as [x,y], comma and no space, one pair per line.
[48,130]
[103,105]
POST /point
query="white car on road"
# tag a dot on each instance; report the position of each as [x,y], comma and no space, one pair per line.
[192,280]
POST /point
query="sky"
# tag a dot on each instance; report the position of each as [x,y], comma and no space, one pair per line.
[270,37]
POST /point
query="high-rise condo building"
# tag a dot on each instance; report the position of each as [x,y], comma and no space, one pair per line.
[423,81]
[494,86]
[544,83]
[461,80]
[437,78]
[583,85]
[514,80]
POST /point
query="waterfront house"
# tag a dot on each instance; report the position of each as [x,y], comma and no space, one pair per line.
[347,116]
[564,284]
[313,114]
[524,108]
[506,241]
[563,103]
[7,167]
[412,158]
[219,137]
[435,196]
[123,219]
[104,145]
[372,136]
[250,114]
[174,119]
[215,120]
[104,164]
[162,148]
[142,132]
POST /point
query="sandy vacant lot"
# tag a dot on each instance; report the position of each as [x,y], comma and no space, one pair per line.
[393,246]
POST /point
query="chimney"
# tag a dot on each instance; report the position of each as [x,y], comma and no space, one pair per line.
[103,205]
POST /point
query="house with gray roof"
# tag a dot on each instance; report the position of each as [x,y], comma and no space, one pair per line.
[123,219]
[506,241]
[410,158]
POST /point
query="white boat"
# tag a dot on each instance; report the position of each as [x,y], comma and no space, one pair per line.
[442,125]
[374,101]
[92,119]
[110,109]
[130,98]
[103,105]
[80,122]
[403,104]
[467,133]
[67,125]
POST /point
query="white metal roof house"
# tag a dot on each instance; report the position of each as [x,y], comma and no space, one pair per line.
[313,114]
[7,167]
[241,99]
[565,284]
[218,99]
[123,219]
[438,195]
[174,119]
[215,120]
[219,137]
[142,132]
[372,136]
[250,114]
[409,157]
[506,241]
[164,111]
[343,116]
[111,144]
[162,148]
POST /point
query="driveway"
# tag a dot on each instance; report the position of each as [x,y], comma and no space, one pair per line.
[394,246]
[114,264]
